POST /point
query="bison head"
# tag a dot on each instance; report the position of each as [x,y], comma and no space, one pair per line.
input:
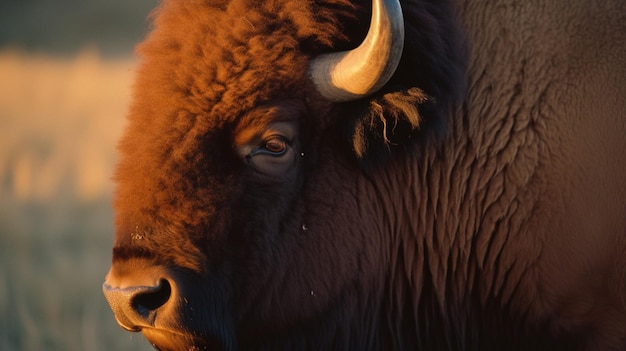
[242,218]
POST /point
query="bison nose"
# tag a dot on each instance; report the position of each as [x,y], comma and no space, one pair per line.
[137,290]
[136,306]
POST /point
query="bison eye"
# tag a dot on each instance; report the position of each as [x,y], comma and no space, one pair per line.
[273,146]
[269,150]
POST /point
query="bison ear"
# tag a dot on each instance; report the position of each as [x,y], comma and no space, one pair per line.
[384,123]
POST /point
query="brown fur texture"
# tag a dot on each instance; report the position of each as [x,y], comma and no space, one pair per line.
[476,202]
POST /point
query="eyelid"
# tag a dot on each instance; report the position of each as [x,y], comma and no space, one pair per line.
[262,150]
[282,137]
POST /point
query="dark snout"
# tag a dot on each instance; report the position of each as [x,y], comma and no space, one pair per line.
[137,292]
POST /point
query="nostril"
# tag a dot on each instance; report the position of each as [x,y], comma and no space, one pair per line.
[151,299]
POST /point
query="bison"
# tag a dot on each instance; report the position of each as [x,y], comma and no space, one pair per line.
[395,175]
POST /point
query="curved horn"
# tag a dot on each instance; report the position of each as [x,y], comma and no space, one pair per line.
[350,75]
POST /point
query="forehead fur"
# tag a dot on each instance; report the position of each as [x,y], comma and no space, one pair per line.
[215,57]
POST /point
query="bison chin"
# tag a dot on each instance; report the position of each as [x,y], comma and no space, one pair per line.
[165,341]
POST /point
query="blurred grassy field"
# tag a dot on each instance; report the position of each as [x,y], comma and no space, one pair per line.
[66,68]
[59,119]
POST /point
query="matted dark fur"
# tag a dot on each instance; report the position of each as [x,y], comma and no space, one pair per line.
[445,212]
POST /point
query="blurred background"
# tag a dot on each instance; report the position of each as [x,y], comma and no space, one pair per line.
[66,67]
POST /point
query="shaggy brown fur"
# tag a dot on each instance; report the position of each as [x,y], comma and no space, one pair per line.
[427,216]
[206,64]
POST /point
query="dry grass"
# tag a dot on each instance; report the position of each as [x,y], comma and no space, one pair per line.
[59,122]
